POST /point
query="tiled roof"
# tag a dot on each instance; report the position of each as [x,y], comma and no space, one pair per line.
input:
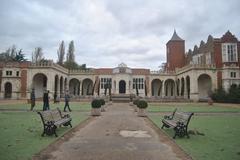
[106,71]
[140,71]
[175,37]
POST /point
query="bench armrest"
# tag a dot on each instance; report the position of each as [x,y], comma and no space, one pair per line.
[168,117]
[66,116]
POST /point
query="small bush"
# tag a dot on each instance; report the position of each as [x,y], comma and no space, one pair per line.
[102,101]
[135,102]
[96,103]
[142,104]
[232,96]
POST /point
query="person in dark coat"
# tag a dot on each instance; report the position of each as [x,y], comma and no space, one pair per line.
[32,98]
[67,98]
[46,101]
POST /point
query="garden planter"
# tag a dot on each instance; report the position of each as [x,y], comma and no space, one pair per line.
[210,102]
[142,112]
[96,111]
[103,108]
[131,103]
[135,108]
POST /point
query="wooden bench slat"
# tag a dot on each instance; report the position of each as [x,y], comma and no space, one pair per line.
[179,121]
[53,118]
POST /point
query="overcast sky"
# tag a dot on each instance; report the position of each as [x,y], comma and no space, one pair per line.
[108,32]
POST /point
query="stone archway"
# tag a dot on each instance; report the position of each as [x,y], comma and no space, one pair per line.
[204,86]
[169,88]
[74,87]
[122,87]
[61,87]
[56,81]
[87,87]
[39,84]
[178,87]
[182,87]
[156,87]
[65,84]
[8,90]
[188,86]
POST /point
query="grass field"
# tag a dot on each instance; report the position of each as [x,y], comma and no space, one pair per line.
[21,133]
[21,130]
[193,107]
[220,142]
[75,106]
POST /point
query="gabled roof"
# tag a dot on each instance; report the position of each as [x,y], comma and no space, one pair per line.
[175,37]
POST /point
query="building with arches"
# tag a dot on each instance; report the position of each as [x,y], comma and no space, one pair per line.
[192,75]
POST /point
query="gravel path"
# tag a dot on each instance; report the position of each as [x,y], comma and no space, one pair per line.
[118,134]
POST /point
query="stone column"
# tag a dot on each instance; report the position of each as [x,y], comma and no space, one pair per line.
[194,94]
[185,89]
[58,88]
[50,85]
[163,89]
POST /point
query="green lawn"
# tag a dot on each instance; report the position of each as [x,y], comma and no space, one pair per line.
[193,107]
[75,106]
[221,140]
[21,134]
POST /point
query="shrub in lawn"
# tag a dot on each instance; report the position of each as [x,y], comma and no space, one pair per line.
[96,103]
[96,107]
[232,96]
[135,102]
[142,104]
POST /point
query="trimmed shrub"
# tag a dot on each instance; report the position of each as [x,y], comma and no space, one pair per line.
[102,101]
[96,103]
[135,102]
[232,96]
[142,104]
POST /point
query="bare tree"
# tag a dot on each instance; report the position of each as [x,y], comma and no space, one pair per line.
[37,55]
[61,53]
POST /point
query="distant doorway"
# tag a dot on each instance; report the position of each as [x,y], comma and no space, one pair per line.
[8,90]
[122,87]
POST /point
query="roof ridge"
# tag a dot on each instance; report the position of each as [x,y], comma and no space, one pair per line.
[175,37]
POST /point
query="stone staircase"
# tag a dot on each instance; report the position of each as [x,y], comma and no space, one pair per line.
[121,98]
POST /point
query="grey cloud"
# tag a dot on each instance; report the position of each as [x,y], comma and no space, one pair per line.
[108,32]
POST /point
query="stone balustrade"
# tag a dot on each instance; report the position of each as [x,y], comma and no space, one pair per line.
[48,63]
[160,72]
[195,66]
[81,71]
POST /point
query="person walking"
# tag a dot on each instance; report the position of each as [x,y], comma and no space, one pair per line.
[67,98]
[32,98]
[46,101]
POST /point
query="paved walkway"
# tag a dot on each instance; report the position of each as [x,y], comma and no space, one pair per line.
[118,134]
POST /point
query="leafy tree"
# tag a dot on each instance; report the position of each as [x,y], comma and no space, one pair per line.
[232,96]
[61,53]
[19,56]
[70,54]
[11,54]
[71,65]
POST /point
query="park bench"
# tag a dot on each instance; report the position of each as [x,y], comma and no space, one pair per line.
[179,122]
[52,119]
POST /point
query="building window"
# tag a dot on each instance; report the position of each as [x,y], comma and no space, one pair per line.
[8,73]
[138,83]
[233,74]
[105,81]
[229,52]
[208,58]
[17,73]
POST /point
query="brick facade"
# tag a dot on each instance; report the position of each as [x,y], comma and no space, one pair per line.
[175,53]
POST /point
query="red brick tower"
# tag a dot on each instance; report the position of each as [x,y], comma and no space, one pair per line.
[175,52]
